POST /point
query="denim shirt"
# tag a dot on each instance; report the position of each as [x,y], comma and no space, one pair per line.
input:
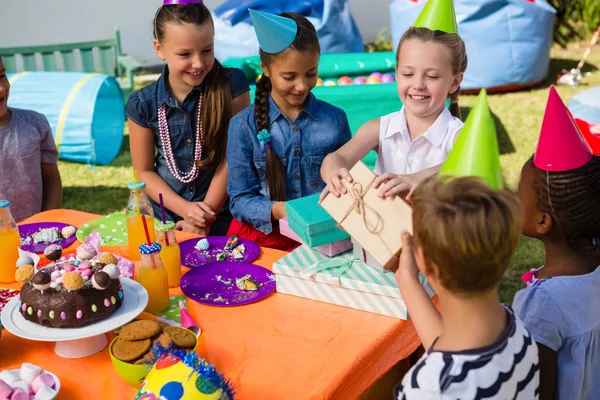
[300,145]
[142,108]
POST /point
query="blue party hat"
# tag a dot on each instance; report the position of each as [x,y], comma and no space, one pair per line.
[275,33]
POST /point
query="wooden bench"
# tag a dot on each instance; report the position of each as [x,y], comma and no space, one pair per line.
[104,56]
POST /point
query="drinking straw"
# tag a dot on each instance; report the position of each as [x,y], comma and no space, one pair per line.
[146,230]
[164,219]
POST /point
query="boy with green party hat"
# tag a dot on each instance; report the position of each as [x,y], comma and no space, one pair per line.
[476,152]
[466,230]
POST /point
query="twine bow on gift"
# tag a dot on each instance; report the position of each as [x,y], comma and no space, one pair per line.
[338,266]
[361,207]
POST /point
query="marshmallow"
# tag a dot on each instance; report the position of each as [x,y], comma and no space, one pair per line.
[18,394]
[5,390]
[20,385]
[43,379]
[45,393]
[29,372]
[8,377]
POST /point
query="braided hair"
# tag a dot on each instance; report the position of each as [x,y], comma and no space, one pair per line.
[570,198]
[456,46]
[306,40]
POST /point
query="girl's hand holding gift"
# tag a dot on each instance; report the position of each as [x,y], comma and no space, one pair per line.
[335,185]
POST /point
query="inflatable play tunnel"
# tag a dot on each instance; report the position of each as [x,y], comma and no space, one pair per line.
[86,111]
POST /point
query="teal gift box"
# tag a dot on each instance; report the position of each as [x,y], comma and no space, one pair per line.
[343,280]
[312,223]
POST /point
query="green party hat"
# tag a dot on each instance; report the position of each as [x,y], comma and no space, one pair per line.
[476,152]
[438,15]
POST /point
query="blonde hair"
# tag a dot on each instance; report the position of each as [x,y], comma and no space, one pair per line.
[457,48]
[468,229]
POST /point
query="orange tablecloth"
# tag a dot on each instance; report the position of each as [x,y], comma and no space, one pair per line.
[283,347]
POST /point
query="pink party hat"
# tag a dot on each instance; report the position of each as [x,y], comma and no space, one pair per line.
[561,146]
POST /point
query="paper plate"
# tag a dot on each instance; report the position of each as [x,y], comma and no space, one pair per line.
[113,229]
[192,258]
[214,284]
[26,230]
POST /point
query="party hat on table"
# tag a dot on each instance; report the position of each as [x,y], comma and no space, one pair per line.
[476,152]
[274,33]
[561,146]
[438,15]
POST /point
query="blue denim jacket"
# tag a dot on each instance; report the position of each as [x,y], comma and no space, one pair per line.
[142,108]
[300,145]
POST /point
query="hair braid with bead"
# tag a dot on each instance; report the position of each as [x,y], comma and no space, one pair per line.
[306,40]
[570,198]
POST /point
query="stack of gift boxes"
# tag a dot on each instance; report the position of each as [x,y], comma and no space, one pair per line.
[350,244]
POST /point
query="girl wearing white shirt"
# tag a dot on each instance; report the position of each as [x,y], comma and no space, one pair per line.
[412,143]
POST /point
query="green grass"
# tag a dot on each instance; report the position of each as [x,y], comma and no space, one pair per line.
[103,190]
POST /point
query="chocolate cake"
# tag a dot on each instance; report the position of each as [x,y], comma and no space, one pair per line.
[70,295]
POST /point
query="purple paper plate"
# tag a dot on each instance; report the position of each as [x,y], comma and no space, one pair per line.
[192,258]
[29,229]
[214,284]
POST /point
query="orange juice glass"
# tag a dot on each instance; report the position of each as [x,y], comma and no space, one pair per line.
[170,254]
[138,207]
[10,242]
[152,275]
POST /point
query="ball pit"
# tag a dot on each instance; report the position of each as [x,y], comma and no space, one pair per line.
[373,79]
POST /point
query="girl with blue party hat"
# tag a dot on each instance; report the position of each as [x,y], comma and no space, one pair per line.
[276,146]
[178,124]
[414,142]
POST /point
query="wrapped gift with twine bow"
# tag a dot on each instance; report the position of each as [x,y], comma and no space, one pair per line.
[375,223]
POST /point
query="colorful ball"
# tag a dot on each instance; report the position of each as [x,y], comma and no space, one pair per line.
[373,80]
[361,80]
[330,82]
[376,75]
[344,80]
[388,78]
[319,82]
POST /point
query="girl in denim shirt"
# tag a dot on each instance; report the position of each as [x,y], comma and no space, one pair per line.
[276,146]
[178,124]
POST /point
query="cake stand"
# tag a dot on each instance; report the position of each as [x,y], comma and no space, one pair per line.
[78,342]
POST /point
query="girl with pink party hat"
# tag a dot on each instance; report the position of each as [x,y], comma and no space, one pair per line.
[412,143]
[559,190]
[178,124]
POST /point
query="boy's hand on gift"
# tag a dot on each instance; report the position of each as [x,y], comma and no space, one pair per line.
[185,227]
[335,185]
[199,215]
[408,271]
[396,185]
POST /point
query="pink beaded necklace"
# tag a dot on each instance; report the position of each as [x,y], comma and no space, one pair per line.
[165,139]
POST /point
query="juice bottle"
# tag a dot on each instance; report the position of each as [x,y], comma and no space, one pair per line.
[138,207]
[152,275]
[169,254]
[10,242]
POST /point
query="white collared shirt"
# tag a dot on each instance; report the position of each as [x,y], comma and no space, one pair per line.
[398,155]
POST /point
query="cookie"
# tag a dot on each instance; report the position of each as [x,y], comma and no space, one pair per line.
[126,350]
[162,325]
[180,336]
[164,340]
[139,330]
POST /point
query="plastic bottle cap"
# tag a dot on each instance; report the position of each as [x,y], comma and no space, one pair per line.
[137,186]
[160,227]
[153,248]
[4,203]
